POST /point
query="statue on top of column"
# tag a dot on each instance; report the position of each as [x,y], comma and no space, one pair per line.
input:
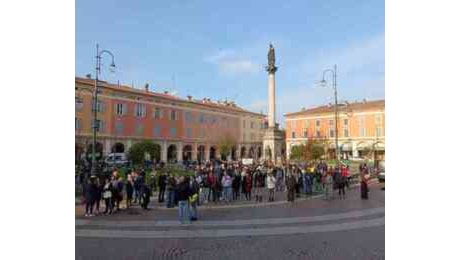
[271,59]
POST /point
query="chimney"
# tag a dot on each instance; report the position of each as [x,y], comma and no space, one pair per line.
[189,98]
[88,76]
[146,87]
[303,109]
[364,101]
[166,92]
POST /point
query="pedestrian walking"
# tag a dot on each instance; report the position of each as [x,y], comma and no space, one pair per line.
[341,186]
[364,184]
[279,179]
[99,189]
[206,188]
[271,183]
[183,194]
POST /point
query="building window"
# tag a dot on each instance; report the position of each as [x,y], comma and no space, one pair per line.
[331,132]
[156,131]
[362,128]
[304,132]
[119,128]
[378,119]
[293,135]
[378,131]
[201,118]
[77,123]
[188,132]
[140,110]
[244,123]
[157,114]
[173,115]
[362,131]
[318,134]
[188,117]
[252,125]
[294,125]
[100,126]
[78,103]
[345,132]
[317,123]
[139,129]
[99,106]
[172,131]
[345,122]
[121,109]
[253,137]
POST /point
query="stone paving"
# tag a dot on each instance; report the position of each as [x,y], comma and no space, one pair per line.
[308,229]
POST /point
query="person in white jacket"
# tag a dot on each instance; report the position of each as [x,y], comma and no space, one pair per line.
[271,183]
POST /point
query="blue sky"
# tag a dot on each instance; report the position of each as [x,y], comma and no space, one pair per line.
[218,49]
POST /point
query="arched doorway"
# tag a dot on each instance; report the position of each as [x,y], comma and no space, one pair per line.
[187,153]
[200,155]
[233,153]
[118,148]
[243,152]
[212,153]
[259,152]
[251,152]
[172,153]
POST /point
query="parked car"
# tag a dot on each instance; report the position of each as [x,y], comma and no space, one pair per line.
[381,173]
[116,159]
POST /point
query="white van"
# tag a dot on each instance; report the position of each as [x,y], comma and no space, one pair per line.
[116,159]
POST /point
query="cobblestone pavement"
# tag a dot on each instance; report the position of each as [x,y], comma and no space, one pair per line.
[309,229]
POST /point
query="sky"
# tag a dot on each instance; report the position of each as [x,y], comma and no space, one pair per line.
[218,49]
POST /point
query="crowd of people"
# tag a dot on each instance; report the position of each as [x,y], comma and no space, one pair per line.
[218,183]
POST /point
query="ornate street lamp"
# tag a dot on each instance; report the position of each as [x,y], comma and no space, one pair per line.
[95,125]
[323,82]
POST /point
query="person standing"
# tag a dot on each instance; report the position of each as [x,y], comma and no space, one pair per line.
[329,187]
[129,191]
[364,184]
[258,183]
[145,194]
[120,187]
[183,194]
[271,182]
[290,185]
[99,188]
[248,185]
[279,179]
[89,190]
[206,188]
[213,183]
[341,186]
[107,194]
[236,183]
[162,187]
[193,199]
[227,186]
[170,188]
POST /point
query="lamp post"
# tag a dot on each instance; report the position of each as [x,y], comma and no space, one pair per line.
[334,85]
[95,125]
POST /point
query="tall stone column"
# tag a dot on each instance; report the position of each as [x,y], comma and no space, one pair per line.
[195,152]
[207,152]
[271,98]
[164,151]
[180,152]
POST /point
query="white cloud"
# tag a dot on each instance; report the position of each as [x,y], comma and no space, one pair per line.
[230,62]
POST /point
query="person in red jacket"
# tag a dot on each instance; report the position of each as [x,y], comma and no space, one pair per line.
[213,185]
[247,185]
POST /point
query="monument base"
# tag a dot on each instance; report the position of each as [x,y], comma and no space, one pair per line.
[273,144]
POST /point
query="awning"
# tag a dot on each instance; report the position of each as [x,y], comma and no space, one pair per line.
[379,147]
[363,146]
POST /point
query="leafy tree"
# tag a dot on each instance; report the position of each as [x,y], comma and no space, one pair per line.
[297,152]
[225,145]
[138,151]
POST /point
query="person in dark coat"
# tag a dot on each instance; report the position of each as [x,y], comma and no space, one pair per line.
[129,191]
[145,194]
[364,185]
[99,188]
[236,183]
[107,194]
[193,199]
[291,187]
[183,194]
[89,191]
[162,186]
[247,185]
[171,189]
